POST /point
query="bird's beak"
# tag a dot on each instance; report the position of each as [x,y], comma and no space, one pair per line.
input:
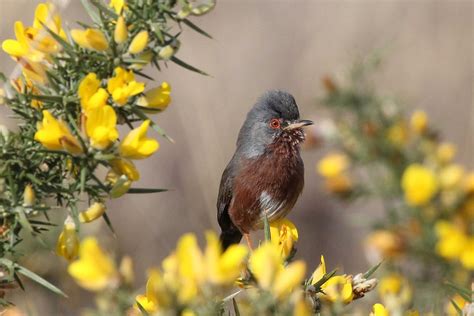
[298,124]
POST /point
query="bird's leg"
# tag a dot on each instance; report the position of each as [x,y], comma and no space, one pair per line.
[249,241]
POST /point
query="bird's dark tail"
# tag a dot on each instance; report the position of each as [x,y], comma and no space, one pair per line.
[229,237]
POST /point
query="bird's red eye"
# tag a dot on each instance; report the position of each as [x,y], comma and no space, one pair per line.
[275,123]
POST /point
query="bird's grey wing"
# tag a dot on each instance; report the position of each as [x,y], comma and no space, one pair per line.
[230,233]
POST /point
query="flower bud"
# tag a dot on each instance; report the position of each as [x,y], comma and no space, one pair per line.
[126,270]
[94,211]
[29,196]
[139,42]
[121,32]
[90,39]
[68,242]
[166,52]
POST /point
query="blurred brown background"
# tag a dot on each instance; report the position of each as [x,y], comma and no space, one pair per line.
[259,45]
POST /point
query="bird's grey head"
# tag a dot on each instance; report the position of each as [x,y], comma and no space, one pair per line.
[274,115]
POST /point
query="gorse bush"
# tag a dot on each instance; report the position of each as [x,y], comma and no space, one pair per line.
[425,235]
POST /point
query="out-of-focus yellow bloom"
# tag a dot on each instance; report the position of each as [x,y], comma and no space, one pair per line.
[467,255]
[2,96]
[379,310]
[33,71]
[29,196]
[223,268]
[120,32]
[55,135]
[136,145]
[319,272]
[155,294]
[68,242]
[101,126]
[126,270]
[450,176]
[445,152]
[468,183]
[419,122]
[157,98]
[20,47]
[38,37]
[125,167]
[419,185]
[139,43]
[284,234]
[147,304]
[451,240]
[302,307]
[90,93]
[118,5]
[332,165]
[449,308]
[397,134]
[382,244]
[395,288]
[266,265]
[340,184]
[94,270]
[123,86]
[23,85]
[338,289]
[94,211]
[89,38]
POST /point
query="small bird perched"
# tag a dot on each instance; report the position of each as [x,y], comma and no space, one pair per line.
[266,173]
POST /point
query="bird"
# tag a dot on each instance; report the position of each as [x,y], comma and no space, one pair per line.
[265,176]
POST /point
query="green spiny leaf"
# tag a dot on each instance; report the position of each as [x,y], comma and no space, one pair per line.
[33,276]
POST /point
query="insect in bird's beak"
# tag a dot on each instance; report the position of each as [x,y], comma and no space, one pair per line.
[297,124]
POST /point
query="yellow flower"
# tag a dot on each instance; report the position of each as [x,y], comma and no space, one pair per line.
[24,85]
[90,39]
[68,242]
[136,145]
[319,272]
[419,185]
[338,289]
[468,183]
[20,48]
[190,267]
[123,86]
[118,5]
[223,268]
[156,99]
[450,176]
[126,270]
[94,211]
[445,152]
[125,167]
[397,134]
[302,307]
[340,184]
[55,135]
[2,96]
[146,303]
[267,267]
[396,288]
[451,240]
[156,293]
[139,42]
[379,310]
[94,270]
[167,52]
[284,234]
[38,37]
[33,71]
[120,32]
[449,308]
[467,255]
[90,93]
[101,126]
[383,244]
[333,165]
[29,196]
[419,122]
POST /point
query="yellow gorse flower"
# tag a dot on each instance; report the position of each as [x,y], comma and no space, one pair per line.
[94,211]
[120,32]
[20,48]
[39,38]
[156,99]
[94,270]
[29,196]
[68,242]
[90,93]
[338,289]
[117,5]
[454,244]
[332,165]
[451,176]
[395,288]
[101,126]
[419,185]
[397,134]
[284,234]
[55,135]
[139,43]
[319,272]
[89,38]
[419,122]
[136,145]
[379,310]
[266,265]
[123,86]
[125,167]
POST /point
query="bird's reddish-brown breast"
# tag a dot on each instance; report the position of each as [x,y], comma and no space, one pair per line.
[278,174]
